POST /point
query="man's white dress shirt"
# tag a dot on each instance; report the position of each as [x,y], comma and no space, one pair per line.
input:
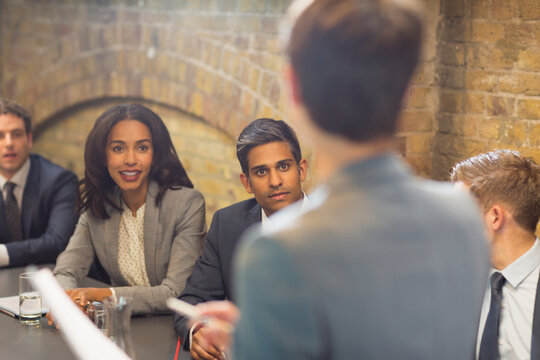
[517,306]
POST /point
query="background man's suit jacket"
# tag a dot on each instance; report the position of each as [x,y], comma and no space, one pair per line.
[211,276]
[386,267]
[173,239]
[48,214]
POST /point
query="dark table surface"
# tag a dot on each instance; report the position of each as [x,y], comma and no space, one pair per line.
[153,337]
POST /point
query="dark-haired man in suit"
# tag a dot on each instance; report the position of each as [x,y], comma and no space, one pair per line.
[37,207]
[272,170]
[507,187]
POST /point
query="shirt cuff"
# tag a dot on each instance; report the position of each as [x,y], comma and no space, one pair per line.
[191,330]
[113,293]
[4,256]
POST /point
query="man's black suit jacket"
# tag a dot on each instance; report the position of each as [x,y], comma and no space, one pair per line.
[48,215]
[211,275]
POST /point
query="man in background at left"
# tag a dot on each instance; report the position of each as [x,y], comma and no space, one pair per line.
[37,206]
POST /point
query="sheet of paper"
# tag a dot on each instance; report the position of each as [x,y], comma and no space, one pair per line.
[82,336]
[10,305]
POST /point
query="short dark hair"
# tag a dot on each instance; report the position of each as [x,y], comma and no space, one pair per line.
[353,60]
[8,106]
[96,188]
[263,131]
[503,176]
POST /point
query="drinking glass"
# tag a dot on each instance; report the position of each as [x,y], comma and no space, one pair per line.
[29,301]
[96,312]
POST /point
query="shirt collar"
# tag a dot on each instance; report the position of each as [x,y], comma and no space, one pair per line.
[305,202]
[517,271]
[20,176]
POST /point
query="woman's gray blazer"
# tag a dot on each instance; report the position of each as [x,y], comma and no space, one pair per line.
[173,239]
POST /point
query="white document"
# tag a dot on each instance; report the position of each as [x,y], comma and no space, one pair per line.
[10,305]
[82,336]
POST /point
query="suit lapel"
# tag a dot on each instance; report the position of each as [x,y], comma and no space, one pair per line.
[535,341]
[249,215]
[253,215]
[30,197]
[109,240]
[3,234]
[151,229]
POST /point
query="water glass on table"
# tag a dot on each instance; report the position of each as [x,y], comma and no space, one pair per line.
[96,312]
[29,301]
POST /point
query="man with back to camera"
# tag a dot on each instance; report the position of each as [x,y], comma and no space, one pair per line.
[383,265]
[507,187]
[37,207]
[272,170]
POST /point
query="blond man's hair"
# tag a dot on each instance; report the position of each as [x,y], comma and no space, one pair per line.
[507,177]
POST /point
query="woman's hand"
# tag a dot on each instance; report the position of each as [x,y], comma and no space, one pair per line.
[50,319]
[82,297]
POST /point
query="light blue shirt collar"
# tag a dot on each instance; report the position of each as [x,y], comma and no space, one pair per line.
[517,271]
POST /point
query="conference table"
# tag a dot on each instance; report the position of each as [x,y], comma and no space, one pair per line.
[153,337]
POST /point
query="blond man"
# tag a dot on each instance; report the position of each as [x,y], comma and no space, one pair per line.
[507,187]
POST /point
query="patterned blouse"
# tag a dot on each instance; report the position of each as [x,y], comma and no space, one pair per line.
[131,247]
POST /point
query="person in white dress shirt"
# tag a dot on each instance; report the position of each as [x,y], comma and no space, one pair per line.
[507,187]
[37,206]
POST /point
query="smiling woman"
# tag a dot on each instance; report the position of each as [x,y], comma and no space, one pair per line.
[140,216]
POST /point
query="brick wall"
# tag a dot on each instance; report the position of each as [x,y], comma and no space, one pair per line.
[417,125]
[489,75]
[2,11]
[218,60]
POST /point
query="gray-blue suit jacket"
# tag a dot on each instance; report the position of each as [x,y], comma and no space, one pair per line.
[387,266]
[173,240]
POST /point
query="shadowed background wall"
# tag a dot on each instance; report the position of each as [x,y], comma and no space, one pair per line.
[208,67]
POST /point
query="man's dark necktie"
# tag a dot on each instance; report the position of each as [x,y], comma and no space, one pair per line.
[13,217]
[489,347]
